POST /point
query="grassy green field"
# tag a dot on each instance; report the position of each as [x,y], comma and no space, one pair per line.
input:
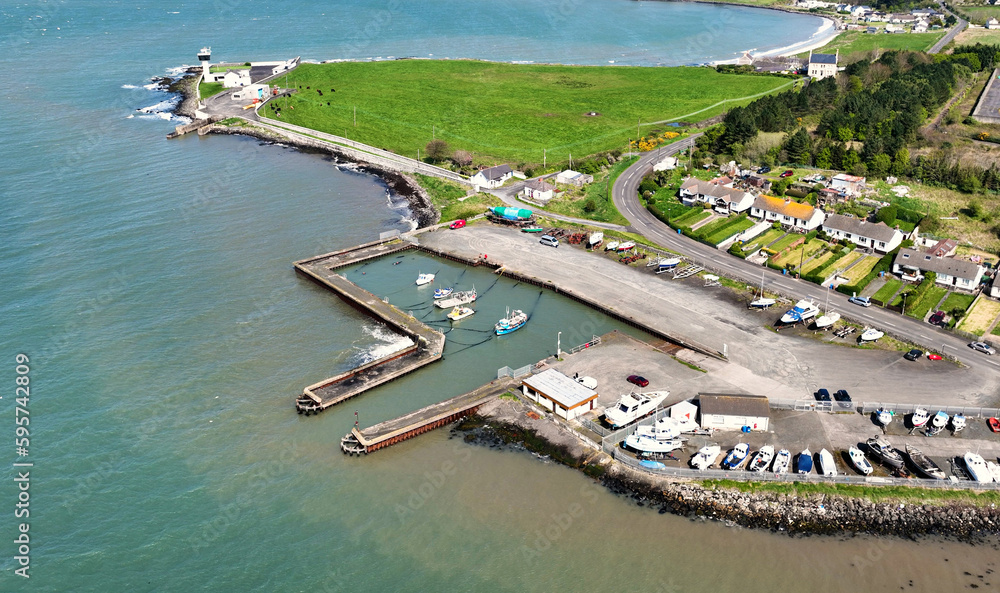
[216,69]
[874,493]
[800,253]
[861,269]
[851,42]
[732,226]
[508,112]
[957,300]
[930,300]
[888,290]
[979,14]
[596,193]
[769,237]
[816,262]
[445,194]
[207,89]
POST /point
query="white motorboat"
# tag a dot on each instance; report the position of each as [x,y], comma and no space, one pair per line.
[883,416]
[737,457]
[760,301]
[663,429]
[667,264]
[860,461]
[870,335]
[919,417]
[977,467]
[994,469]
[958,423]
[632,406]
[463,297]
[648,444]
[611,246]
[939,421]
[460,312]
[827,320]
[596,239]
[827,466]
[804,309]
[440,293]
[424,279]
[706,456]
[762,459]
[781,461]
[805,462]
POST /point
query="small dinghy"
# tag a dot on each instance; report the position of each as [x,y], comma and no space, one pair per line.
[870,335]
[924,464]
[858,459]
[649,463]
[781,462]
[919,417]
[425,279]
[805,462]
[705,456]
[827,466]
[884,452]
[737,457]
[957,422]
[440,293]
[762,459]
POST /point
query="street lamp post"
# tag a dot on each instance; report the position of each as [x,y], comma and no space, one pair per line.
[904,303]
[558,345]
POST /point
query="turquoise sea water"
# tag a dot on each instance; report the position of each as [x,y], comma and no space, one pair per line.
[150,283]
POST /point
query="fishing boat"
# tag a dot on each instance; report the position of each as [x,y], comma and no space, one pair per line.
[781,462]
[424,279]
[514,321]
[870,335]
[625,246]
[667,264]
[977,467]
[596,239]
[440,293]
[957,423]
[460,312]
[804,309]
[762,459]
[805,462]
[761,302]
[883,416]
[860,461]
[611,246]
[827,466]
[939,421]
[645,443]
[919,417]
[706,456]
[884,452]
[463,297]
[994,470]
[924,464]
[737,457]
[632,406]
[649,463]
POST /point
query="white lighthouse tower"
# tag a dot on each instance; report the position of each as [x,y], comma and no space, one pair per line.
[204,56]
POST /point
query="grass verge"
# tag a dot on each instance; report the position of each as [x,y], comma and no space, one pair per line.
[873,493]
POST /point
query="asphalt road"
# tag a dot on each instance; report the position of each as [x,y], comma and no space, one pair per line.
[958,28]
[626,199]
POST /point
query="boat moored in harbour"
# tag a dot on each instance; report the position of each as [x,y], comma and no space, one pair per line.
[440,293]
[424,279]
[514,321]
[460,312]
[463,297]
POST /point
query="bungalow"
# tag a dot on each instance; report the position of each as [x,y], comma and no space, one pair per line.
[911,264]
[876,236]
[724,199]
[876,17]
[492,177]
[789,213]
[993,24]
[849,184]
[822,65]
[570,177]
[902,19]
[538,190]
[871,30]
[234,78]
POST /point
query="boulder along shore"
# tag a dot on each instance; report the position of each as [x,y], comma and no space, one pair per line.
[399,183]
[512,426]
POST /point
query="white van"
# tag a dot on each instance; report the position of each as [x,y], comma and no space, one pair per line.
[549,240]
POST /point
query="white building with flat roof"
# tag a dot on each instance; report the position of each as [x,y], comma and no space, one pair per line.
[558,393]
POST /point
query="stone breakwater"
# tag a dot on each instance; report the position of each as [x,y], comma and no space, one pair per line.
[814,514]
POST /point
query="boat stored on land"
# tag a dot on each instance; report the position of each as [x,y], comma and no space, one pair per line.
[977,467]
[514,321]
[611,246]
[824,321]
[595,240]
[938,422]
[665,265]
[870,334]
[858,459]
[804,465]
[994,469]
[649,463]
[827,466]
[781,461]
[460,312]
[760,301]
[632,406]
[532,229]
[762,459]
[646,443]
[706,456]
[883,416]
[884,452]
[625,246]
[924,464]
[957,422]
[737,457]
[424,279]
[463,297]
[804,309]
[919,417]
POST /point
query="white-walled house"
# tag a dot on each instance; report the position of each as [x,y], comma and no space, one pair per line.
[785,211]
[570,177]
[911,264]
[822,65]
[875,235]
[558,393]
[993,24]
[538,190]
[725,200]
[235,78]
[850,184]
[492,177]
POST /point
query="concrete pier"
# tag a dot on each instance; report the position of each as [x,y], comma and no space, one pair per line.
[423,420]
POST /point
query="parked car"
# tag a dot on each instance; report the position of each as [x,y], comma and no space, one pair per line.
[787,173]
[937,318]
[457,224]
[863,301]
[549,240]
[913,354]
[764,169]
[842,396]
[823,395]
[637,380]
[983,347]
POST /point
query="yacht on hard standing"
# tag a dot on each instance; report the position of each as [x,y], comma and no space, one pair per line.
[978,469]
[804,309]
[829,317]
[761,302]
[632,406]
[706,456]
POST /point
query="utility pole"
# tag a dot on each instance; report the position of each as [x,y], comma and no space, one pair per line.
[637,123]
[433,132]
[544,151]
[355,116]
[571,160]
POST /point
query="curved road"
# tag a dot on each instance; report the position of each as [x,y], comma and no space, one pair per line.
[626,199]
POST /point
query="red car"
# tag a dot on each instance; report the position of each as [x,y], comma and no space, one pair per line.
[788,173]
[637,380]
[457,224]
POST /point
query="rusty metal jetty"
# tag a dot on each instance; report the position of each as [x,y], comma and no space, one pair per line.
[393,431]
[428,343]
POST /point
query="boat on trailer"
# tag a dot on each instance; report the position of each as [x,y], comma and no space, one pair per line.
[870,335]
[625,246]
[667,264]
[596,239]
[827,320]
[646,443]
[611,246]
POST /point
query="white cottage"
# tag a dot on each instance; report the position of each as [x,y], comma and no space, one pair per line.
[492,177]
[236,78]
[877,236]
[724,199]
[538,190]
[794,214]
[822,65]
[911,264]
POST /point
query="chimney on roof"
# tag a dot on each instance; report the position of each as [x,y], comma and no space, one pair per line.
[788,201]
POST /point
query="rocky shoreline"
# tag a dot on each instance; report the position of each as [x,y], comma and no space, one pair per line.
[817,514]
[401,184]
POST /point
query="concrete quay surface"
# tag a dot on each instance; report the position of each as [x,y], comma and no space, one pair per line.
[779,365]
